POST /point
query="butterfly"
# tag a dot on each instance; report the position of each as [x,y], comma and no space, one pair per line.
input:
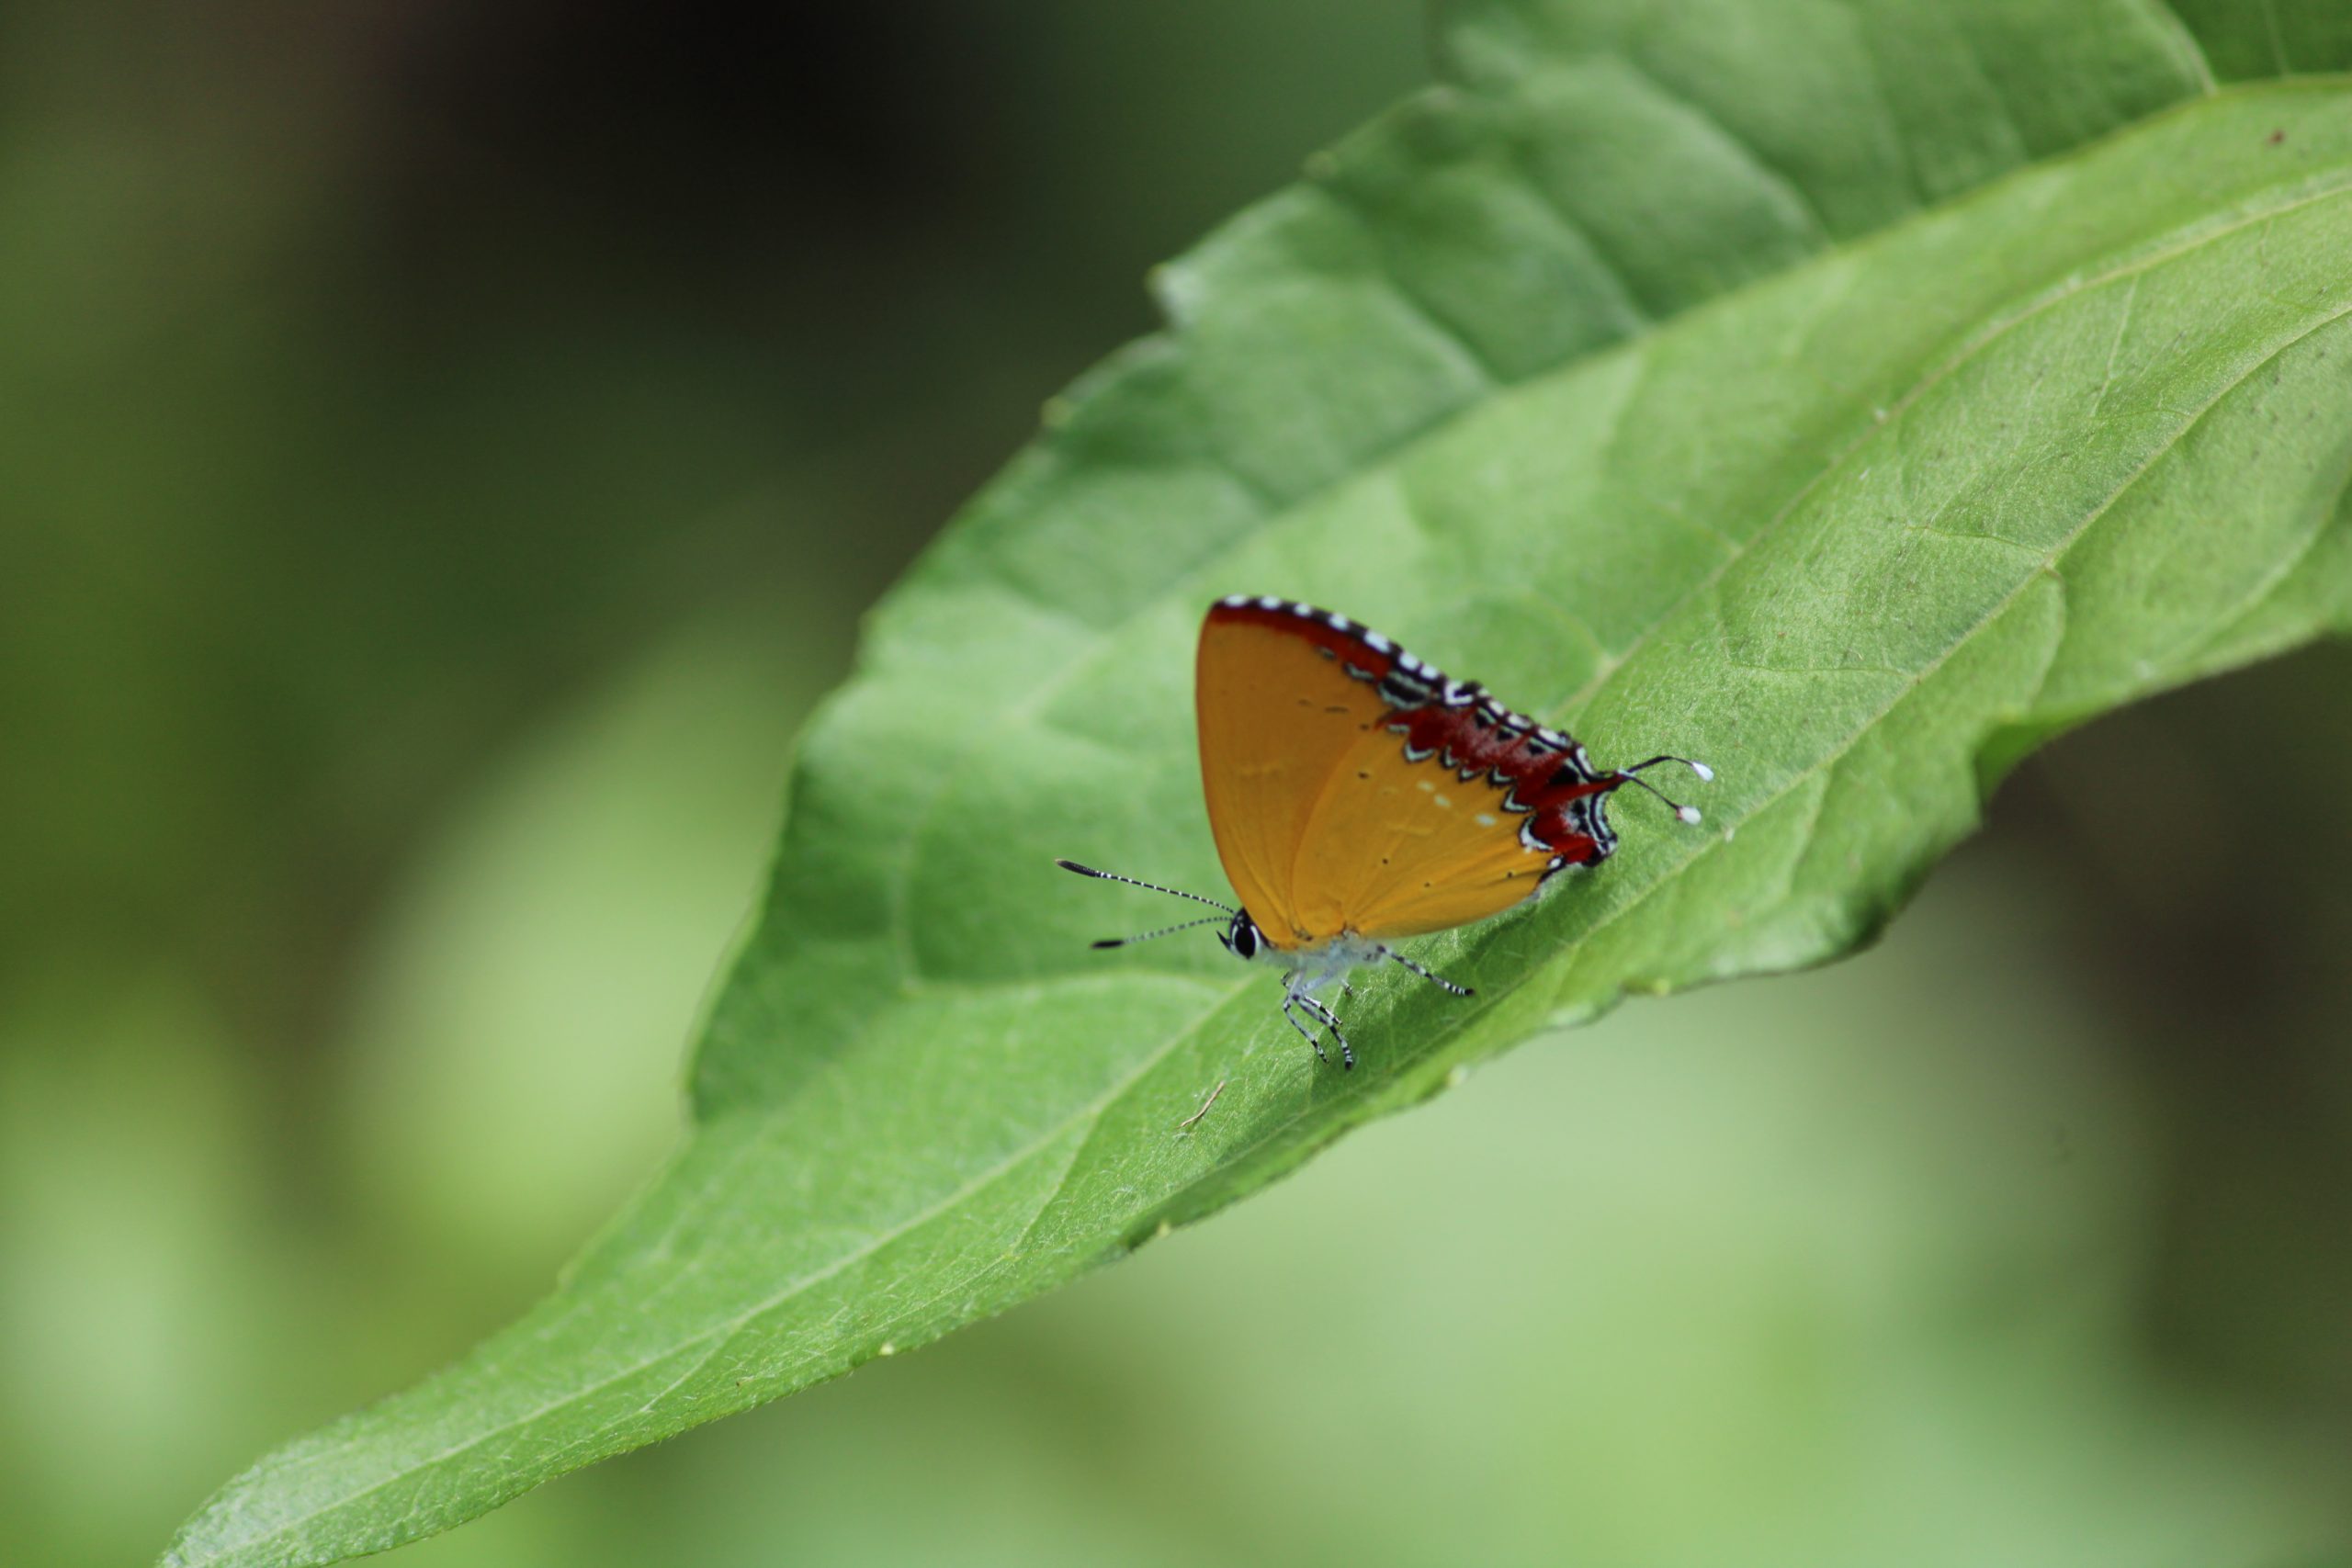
[1359,795]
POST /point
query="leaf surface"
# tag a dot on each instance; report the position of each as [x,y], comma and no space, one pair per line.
[1852,396]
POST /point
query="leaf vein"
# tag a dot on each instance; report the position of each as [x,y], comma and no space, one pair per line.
[1966,354]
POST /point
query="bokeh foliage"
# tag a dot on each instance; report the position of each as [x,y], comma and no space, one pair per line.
[305,1089]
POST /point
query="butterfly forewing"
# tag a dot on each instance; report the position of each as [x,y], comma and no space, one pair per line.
[1277,715]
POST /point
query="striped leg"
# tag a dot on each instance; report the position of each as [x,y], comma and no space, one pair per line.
[1290,1000]
[1438,980]
[1330,1020]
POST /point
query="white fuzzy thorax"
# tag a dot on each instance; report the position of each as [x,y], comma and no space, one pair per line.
[1314,969]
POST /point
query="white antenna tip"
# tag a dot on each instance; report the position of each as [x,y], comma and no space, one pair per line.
[1707,775]
[1688,813]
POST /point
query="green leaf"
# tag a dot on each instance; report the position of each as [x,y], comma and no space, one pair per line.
[1853,396]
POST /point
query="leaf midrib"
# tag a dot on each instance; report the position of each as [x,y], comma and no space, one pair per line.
[2001,327]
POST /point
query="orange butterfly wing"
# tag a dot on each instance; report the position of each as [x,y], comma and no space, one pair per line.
[1353,788]
[1277,716]
[1402,849]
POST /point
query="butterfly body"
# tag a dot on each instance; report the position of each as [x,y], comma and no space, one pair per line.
[1309,969]
[1358,795]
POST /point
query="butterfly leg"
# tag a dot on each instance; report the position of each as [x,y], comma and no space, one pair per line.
[1434,979]
[1329,1020]
[1290,1001]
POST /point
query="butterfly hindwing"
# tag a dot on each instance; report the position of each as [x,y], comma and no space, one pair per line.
[1401,848]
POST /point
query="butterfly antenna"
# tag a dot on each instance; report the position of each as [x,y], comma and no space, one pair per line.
[1154,887]
[1688,813]
[1164,931]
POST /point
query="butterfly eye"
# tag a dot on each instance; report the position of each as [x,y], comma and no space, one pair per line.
[1243,937]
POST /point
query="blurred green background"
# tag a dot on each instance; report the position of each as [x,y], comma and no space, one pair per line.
[445,452]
